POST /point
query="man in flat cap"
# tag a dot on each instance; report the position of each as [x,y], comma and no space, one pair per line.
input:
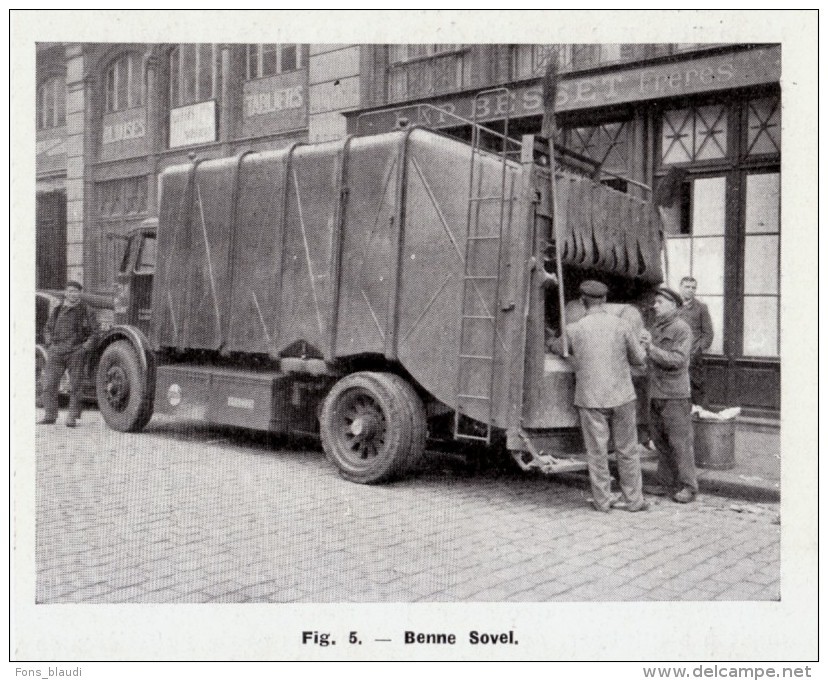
[695,313]
[668,352]
[604,346]
[69,336]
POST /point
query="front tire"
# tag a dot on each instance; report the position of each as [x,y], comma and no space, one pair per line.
[121,389]
[367,428]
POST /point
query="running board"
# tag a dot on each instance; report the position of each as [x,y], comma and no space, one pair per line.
[535,460]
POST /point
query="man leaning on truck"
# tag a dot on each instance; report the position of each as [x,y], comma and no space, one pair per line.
[603,348]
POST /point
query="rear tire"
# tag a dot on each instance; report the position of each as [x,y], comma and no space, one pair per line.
[366,428]
[416,415]
[121,388]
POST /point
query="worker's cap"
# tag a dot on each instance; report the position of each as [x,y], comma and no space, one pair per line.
[669,294]
[74,284]
[593,289]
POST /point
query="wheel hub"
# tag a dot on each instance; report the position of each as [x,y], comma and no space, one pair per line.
[366,426]
[117,386]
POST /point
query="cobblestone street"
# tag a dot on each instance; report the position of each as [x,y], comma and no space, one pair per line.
[195,514]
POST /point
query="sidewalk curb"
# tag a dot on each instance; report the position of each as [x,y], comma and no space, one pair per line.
[722,483]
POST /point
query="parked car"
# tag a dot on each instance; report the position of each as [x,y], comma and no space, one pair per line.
[47,300]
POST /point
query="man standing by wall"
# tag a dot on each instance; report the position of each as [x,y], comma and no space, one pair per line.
[603,348]
[668,351]
[69,335]
[697,316]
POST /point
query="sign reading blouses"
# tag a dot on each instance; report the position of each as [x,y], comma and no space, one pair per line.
[123,134]
[688,76]
[193,124]
[275,104]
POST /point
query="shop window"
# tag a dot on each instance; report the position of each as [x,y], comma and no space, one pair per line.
[125,83]
[270,59]
[51,104]
[195,73]
[694,134]
[761,282]
[764,126]
[607,144]
[695,229]
[122,198]
[423,70]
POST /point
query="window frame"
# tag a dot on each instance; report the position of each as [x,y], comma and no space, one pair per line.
[134,64]
[279,49]
[176,90]
[56,85]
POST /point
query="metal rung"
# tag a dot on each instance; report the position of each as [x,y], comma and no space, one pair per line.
[481,357]
[473,437]
[475,397]
[478,276]
[484,237]
[478,316]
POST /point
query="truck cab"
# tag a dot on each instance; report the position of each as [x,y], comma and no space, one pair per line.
[133,283]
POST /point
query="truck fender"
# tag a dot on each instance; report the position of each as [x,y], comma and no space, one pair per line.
[139,342]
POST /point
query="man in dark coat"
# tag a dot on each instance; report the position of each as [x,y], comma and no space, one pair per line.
[69,335]
[668,351]
[604,346]
[697,316]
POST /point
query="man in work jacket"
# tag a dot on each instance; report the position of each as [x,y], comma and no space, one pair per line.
[69,335]
[668,351]
[697,316]
[603,348]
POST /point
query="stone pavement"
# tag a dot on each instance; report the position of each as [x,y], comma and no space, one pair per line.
[196,514]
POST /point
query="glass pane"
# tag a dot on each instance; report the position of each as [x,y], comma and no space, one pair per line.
[708,265]
[709,206]
[711,132]
[610,52]
[252,61]
[762,264]
[676,136]
[174,75]
[60,102]
[121,83]
[188,74]
[715,304]
[764,129]
[761,338]
[205,72]
[289,58]
[49,105]
[270,60]
[762,203]
[146,256]
[136,85]
[678,260]
[397,53]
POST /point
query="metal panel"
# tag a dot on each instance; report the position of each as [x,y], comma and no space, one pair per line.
[367,236]
[257,252]
[436,207]
[312,205]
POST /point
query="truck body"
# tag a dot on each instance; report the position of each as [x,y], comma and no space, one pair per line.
[366,289]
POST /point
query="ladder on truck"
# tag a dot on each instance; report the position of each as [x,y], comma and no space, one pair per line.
[480,288]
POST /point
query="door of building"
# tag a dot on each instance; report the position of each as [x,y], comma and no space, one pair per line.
[50,240]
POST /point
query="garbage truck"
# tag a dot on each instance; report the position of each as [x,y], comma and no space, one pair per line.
[372,291]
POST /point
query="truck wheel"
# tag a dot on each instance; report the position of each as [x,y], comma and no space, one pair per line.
[416,414]
[366,429]
[120,386]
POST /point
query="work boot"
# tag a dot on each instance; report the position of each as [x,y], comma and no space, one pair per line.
[46,421]
[625,506]
[684,496]
[71,422]
[655,490]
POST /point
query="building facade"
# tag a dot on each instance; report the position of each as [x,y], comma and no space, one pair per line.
[111,117]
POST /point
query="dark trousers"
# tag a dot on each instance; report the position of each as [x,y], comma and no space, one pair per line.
[56,364]
[698,393]
[672,431]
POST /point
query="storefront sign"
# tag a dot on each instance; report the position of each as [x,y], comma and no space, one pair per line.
[691,76]
[124,130]
[193,124]
[275,104]
[50,150]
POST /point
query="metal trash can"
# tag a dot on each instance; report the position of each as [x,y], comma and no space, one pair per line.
[714,443]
